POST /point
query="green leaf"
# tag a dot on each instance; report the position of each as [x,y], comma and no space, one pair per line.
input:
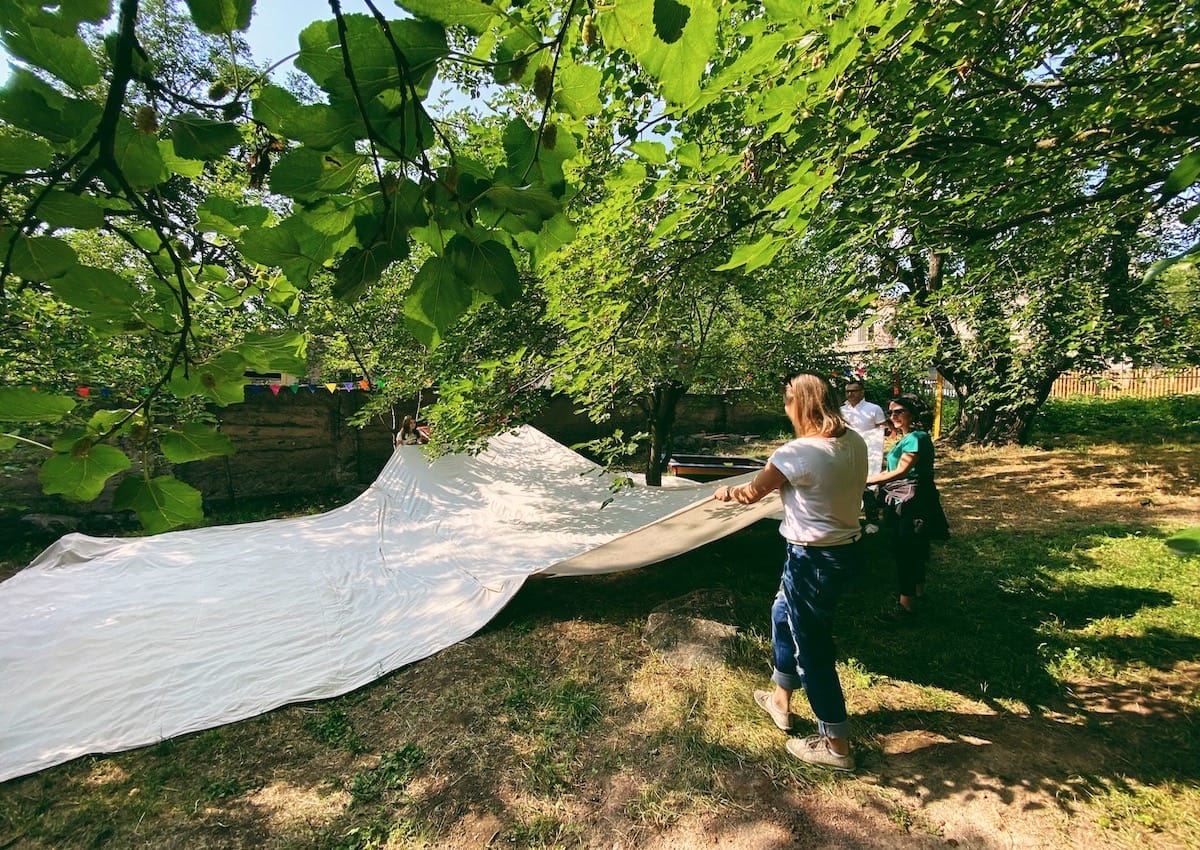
[754,256]
[104,420]
[787,10]
[654,153]
[161,504]
[1182,176]
[62,54]
[278,247]
[24,153]
[98,291]
[525,199]
[670,18]
[229,218]
[64,209]
[678,66]
[138,156]
[222,379]
[1187,255]
[423,43]
[219,17]
[555,233]
[437,298]
[488,266]
[319,126]
[40,258]
[472,14]
[25,404]
[80,475]
[520,143]
[579,89]
[307,174]
[689,155]
[275,352]
[195,441]
[197,137]
[359,268]
[31,104]
[176,164]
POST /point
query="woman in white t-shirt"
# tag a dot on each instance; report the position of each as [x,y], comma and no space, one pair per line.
[820,476]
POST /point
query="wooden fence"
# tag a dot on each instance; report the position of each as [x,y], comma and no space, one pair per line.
[1127,383]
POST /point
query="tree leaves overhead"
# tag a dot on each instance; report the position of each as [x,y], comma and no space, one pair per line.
[146,210]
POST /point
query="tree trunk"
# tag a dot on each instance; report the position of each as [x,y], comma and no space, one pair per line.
[660,406]
[999,421]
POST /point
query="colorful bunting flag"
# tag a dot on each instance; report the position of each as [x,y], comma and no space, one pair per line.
[349,386]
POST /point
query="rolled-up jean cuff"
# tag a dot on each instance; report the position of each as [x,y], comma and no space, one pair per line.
[787,681]
[834,730]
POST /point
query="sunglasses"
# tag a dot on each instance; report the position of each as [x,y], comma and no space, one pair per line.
[897,411]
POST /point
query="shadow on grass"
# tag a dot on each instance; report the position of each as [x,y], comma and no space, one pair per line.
[1001,607]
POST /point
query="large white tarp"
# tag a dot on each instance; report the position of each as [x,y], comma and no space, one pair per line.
[110,643]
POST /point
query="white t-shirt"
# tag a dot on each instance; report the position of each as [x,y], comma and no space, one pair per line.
[863,417]
[823,493]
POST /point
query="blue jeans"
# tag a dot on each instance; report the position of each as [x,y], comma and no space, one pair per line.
[814,579]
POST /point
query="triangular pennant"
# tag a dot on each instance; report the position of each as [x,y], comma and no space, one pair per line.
[364,385]
[84,391]
[312,388]
[105,392]
[275,388]
[348,385]
[295,388]
[331,387]
[254,388]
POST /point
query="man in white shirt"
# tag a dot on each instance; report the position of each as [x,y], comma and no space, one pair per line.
[868,420]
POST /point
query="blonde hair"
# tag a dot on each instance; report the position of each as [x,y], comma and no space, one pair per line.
[813,406]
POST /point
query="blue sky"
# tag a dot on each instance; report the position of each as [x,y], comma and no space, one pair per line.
[276,25]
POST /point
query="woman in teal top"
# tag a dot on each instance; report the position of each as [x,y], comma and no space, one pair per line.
[912,508]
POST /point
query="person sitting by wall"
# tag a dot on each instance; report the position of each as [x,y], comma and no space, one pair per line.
[409,434]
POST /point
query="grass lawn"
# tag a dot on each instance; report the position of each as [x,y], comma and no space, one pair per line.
[1049,696]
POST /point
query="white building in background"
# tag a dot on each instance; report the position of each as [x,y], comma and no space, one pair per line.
[871,335]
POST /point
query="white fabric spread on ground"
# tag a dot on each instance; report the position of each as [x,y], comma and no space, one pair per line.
[109,643]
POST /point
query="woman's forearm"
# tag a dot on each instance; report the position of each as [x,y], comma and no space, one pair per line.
[767,481]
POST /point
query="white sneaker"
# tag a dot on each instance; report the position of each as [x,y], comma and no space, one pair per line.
[815,750]
[870,528]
